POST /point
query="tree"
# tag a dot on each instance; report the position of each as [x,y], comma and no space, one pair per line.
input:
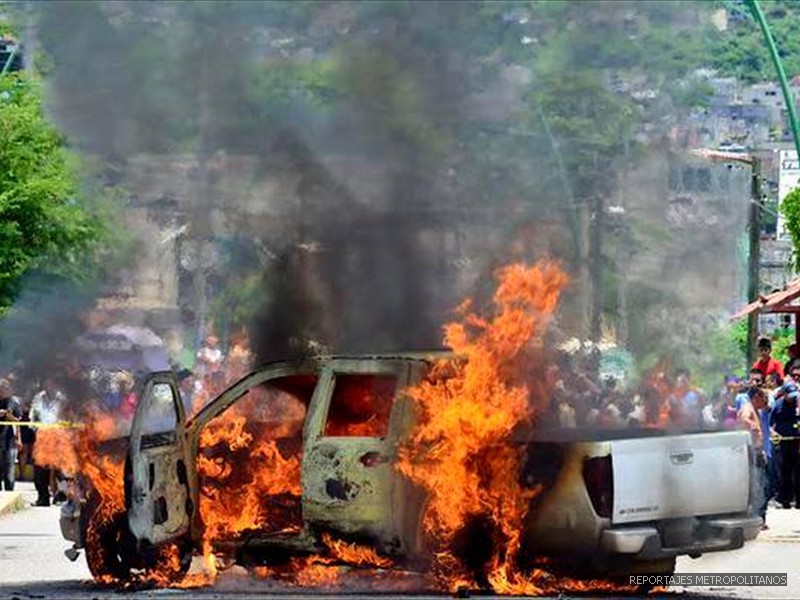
[591,125]
[43,227]
[790,209]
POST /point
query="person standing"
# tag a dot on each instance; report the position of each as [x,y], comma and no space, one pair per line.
[239,357]
[190,389]
[783,420]
[755,380]
[209,357]
[794,358]
[749,418]
[45,409]
[127,395]
[765,363]
[709,412]
[9,435]
[685,403]
[770,471]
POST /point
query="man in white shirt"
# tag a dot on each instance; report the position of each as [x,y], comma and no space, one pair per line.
[209,357]
[46,409]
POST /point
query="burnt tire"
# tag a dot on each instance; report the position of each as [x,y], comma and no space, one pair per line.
[107,542]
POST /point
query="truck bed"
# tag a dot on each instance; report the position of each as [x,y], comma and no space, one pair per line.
[599,480]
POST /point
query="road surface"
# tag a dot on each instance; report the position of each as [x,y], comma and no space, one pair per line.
[32,565]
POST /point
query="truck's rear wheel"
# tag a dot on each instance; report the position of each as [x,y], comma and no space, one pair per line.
[604,566]
[660,566]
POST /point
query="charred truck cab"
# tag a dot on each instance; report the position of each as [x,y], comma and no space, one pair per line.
[627,497]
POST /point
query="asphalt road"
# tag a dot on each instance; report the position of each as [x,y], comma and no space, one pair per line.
[32,565]
[776,550]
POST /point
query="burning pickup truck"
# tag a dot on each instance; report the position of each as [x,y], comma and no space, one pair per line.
[337,464]
[436,463]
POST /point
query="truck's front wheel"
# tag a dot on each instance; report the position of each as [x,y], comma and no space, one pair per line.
[106,540]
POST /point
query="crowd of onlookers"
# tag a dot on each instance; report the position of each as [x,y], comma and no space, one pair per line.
[580,398]
[73,394]
[765,404]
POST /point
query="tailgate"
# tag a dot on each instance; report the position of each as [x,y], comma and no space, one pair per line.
[680,476]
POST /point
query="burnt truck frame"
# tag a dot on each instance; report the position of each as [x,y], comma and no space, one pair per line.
[351,489]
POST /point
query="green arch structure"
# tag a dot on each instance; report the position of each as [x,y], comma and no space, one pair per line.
[758,15]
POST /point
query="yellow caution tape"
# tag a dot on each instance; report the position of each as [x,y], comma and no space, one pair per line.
[40,425]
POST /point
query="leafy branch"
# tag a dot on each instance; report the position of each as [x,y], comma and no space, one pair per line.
[790,209]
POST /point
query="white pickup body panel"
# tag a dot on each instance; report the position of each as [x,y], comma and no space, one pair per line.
[680,476]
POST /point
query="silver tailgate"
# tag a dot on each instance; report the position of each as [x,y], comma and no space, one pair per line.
[680,476]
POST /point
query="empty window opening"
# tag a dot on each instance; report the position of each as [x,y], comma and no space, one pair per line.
[160,414]
[360,405]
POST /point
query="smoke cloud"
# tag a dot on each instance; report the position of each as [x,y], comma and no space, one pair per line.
[381,159]
[359,262]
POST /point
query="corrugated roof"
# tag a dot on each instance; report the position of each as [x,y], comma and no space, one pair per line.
[775,302]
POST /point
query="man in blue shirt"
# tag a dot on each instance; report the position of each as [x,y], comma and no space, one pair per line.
[771,484]
[783,420]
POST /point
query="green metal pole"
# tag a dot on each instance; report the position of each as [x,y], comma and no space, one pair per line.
[754,257]
[755,8]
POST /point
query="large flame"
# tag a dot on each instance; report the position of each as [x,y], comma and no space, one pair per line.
[76,453]
[248,482]
[458,452]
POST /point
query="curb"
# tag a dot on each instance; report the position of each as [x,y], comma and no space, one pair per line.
[11,502]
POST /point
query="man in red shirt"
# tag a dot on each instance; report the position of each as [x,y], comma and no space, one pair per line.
[765,363]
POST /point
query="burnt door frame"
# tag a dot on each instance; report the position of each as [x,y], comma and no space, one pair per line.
[216,406]
[349,482]
[159,495]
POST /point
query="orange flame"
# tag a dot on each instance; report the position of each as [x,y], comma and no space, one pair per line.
[55,448]
[246,481]
[467,410]
[354,554]
[76,452]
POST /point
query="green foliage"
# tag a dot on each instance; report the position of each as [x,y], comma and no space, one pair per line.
[782,338]
[692,94]
[741,50]
[591,125]
[237,304]
[738,332]
[42,225]
[724,354]
[6,28]
[790,209]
